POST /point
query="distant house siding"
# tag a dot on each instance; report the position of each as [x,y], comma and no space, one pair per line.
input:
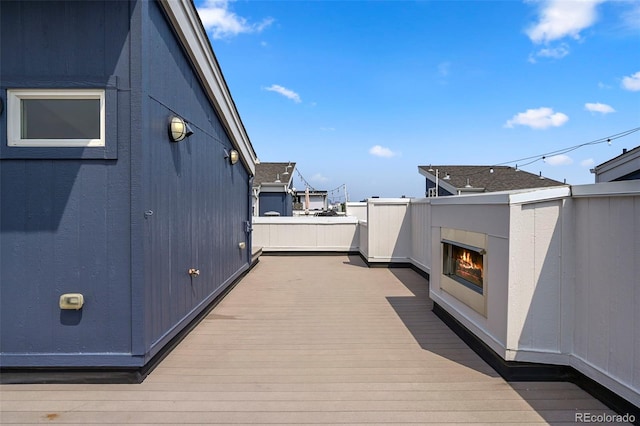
[441,191]
[625,166]
[317,202]
[631,176]
[276,201]
[65,222]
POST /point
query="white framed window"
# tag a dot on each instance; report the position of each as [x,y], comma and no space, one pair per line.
[56,117]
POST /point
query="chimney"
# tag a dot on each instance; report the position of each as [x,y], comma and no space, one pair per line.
[624,150]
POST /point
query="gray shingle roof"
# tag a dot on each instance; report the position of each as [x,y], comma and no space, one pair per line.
[270,172]
[503,178]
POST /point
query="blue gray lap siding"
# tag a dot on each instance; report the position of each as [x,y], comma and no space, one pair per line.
[79,225]
[280,202]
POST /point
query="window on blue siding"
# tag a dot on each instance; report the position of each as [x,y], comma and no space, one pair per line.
[56,118]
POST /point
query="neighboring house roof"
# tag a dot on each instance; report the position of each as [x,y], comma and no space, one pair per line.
[267,173]
[187,25]
[480,178]
[624,166]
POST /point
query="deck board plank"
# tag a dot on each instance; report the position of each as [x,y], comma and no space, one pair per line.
[312,340]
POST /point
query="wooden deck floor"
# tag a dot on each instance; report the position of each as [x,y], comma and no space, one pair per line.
[311,340]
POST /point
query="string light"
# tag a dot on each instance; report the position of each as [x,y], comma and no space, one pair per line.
[339,190]
[606,139]
[306,184]
[535,158]
[519,163]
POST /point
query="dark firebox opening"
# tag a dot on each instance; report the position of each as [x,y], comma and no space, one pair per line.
[464,265]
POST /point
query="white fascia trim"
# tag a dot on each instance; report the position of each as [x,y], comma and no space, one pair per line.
[506,197]
[546,194]
[273,187]
[384,201]
[441,182]
[607,189]
[304,220]
[631,155]
[186,23]
[421,200]
[339,249]
[619,168]
[485,198]
[289,183]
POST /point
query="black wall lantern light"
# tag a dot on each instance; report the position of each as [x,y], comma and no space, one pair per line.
[179,129]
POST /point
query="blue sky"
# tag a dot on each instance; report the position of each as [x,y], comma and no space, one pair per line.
[362,92]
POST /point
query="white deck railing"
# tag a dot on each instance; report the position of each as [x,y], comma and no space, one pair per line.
[563,281]
[333,234]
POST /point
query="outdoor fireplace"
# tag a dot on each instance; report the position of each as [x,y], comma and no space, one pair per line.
[464,264]
[464,260]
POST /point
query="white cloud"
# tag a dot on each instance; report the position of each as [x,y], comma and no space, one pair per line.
[381,151]
[558,52]
[598,107]
[222,23]
[555,52]
[319,178]
[328,129]
[603,86]
[443,68]
[587,163]
[561,18]
[540,118]
[287,93]
[631,18]
[559,160]
[632,82]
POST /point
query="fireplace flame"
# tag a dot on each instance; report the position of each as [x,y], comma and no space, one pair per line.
[467,262]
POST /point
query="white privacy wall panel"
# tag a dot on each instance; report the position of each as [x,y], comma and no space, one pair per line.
[420,213]
[535,276]
[339,234]
[607,286]
[364,238]
[389,230]
[357,209]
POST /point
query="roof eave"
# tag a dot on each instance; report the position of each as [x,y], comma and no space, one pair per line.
[185,20]
[621,165]
[441,181]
